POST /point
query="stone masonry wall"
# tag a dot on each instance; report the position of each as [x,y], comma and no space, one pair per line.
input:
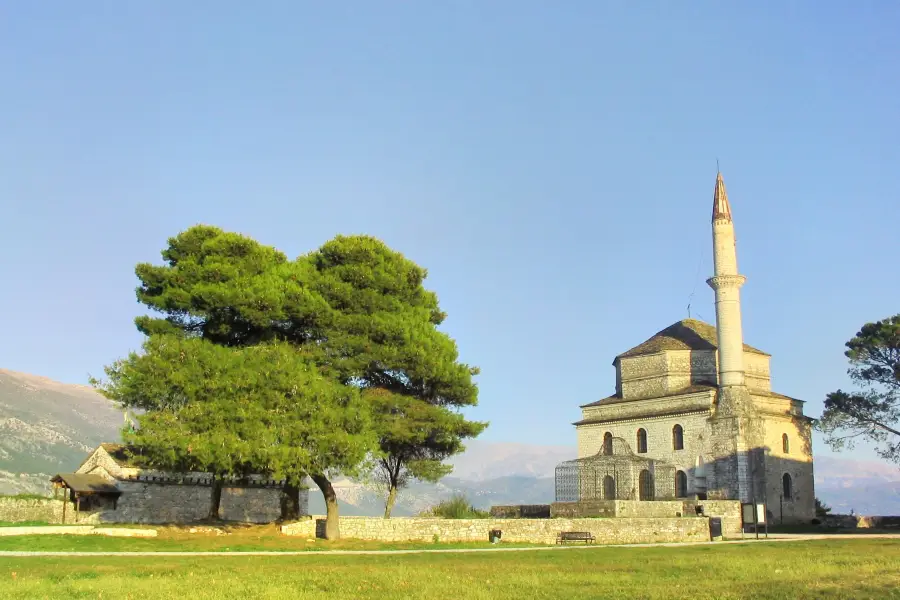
[537,531]
[147,502]
[20,510]
[659,441]
[796,462]
[728,510]
[585,508]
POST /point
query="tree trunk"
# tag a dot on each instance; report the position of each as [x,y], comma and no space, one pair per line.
[332,525]
[215,499]
[290,502]
[391,499]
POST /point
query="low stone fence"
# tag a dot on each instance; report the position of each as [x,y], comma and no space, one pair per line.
[46,510]
[728,510]
[521,511]
[536,531]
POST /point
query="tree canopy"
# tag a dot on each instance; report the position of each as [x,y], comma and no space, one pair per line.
[263,409]
[355,310]
[873,411]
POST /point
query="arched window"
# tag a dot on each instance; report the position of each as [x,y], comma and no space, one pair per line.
[609,488]
[641,441]
[645,485]
[678,437]
[607,444]
[787,487]
[680,484]
[785,443]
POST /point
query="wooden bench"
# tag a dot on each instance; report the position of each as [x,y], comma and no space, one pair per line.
[575,536]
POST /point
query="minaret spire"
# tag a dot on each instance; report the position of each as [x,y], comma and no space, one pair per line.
[721,208]
[727,283]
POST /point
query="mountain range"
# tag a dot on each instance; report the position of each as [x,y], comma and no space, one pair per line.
[47,427]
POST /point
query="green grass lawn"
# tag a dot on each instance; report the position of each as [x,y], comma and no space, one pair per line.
[854,569]
[97,543]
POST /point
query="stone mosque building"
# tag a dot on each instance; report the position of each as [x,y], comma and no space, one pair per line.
[694,415]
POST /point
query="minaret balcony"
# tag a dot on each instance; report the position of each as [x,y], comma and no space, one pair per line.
[726,281]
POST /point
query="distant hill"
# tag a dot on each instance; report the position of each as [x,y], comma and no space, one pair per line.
[48,427]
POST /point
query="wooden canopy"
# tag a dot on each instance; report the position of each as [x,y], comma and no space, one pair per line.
[80,485]
[83,484]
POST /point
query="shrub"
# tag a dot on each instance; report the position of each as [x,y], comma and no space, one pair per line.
[457,507]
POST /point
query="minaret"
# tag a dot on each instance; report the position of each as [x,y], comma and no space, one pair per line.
[727,284]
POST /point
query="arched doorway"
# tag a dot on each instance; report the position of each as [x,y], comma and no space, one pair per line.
[609,488]
[645,486]
[680,484]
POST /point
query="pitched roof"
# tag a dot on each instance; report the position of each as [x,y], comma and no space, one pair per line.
[93,484]
[614,399]
[121,454]
[689,334]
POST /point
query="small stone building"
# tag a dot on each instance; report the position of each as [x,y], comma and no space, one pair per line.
[696,398]
[150,496]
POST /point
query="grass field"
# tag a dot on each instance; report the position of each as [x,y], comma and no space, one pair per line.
[238,539]
[854,569]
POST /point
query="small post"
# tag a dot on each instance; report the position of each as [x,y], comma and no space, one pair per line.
[755,520]
[65,502]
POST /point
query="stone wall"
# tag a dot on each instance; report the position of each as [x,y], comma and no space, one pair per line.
[521,511]
[585,508]
[660,444]
[797,462]
[537,531]
[21,510]
[728,510]
[149,502]
[658,508]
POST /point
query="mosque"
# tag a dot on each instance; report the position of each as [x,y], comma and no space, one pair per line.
[694,416]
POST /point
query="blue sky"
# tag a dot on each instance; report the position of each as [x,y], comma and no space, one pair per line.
[551,164]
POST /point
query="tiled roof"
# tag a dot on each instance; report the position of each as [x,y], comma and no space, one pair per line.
[79,482]
[614,399]
[689,334]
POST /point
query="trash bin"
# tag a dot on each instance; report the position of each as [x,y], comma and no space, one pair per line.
[494,536]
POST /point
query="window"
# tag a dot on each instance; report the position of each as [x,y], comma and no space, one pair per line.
[680,484]
[678,437]
[607,444]
[645,485]
[787,487]
[609,488]
[785,443]
[641,441]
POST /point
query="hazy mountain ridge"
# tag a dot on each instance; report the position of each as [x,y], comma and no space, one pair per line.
[47,427]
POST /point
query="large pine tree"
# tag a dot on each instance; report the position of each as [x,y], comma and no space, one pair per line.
[355,308]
